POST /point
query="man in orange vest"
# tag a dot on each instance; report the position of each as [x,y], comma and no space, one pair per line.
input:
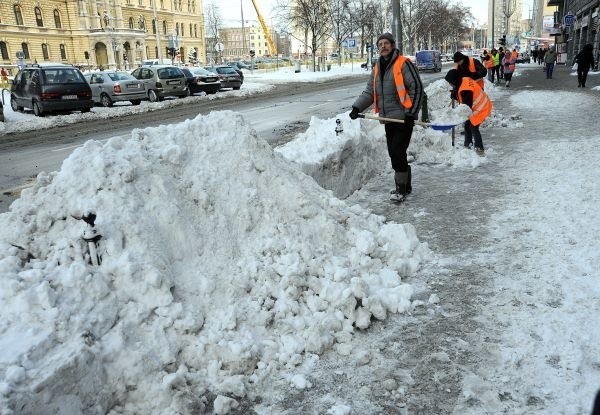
[469,93]
[470,67]
[396,91]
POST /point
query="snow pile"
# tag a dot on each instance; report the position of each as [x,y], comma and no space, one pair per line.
[343,161]
[221,268]
[288,74]
[440,105]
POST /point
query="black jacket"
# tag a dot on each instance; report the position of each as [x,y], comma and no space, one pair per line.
[585,60]
[480,70]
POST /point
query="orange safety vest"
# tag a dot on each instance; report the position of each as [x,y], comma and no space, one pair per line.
[489,63]
[398,80]
[472,70]
[482,106]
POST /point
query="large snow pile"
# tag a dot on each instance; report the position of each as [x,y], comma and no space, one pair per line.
[222,265]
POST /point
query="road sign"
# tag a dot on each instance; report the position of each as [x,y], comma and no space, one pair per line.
[569,20]
[349,43]
[219,47]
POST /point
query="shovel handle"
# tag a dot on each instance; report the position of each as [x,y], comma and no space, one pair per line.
[374,117]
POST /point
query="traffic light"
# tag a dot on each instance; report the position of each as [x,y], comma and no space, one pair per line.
[252,53]
[503,40]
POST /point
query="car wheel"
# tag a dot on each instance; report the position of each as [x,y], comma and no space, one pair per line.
[236,88]
[37,110]
[106,101]
[136,101]
[153,96]
[13,104]
[187,93]
[85,110]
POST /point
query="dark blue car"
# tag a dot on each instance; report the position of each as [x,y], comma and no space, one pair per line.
[429,60]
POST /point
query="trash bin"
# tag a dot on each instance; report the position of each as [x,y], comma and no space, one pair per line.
[297,66]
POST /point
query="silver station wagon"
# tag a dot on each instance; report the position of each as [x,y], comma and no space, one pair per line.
[114,86]
[162,81]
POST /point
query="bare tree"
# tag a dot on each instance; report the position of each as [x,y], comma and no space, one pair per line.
[213,23]
[307,17]
[344,21]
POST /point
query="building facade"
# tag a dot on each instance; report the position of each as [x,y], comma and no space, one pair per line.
[504,18]
[95,33]
[584,28]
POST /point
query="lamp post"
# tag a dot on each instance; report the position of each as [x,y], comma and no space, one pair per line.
[158,48]
[115,47]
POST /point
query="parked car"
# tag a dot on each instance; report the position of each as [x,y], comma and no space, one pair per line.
[50,87]
[162,81]
[429,60]
[112,86]
[523,58]
[227,75]
[238,70]
[201,80]
[240,64]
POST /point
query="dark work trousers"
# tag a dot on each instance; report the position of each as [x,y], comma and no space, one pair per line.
[472,131]
[581,76]
[496,70]
[398,139]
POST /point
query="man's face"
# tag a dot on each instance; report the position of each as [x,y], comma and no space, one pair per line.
[385,47]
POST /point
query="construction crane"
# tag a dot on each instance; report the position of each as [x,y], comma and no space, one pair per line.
[272,48]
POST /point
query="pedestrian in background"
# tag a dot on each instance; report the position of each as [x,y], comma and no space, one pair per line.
[501,53]
[541,55]
[470,67]
[509,64]
[488,63]
[4,77]
[534,55]
[584,61]
[496,69]
[396,91]
[549,60]
[467,92]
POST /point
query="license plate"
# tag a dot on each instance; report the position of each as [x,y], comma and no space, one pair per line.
[69,97]
[173,82]
[136,86]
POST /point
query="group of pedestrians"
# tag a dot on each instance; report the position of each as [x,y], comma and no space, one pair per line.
[500,64]
[396,91]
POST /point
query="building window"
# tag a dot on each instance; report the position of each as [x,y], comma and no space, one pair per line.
[45,52]
[156,52]
[131,23]
[25,49]
[189,6]
[141,2]
[3,51]
[165,27]
[191,30]
[162,4]
[63,52]
[18,15]
[38,17]
[177,29]
[57,21]
[153,26]
[182,30]
[195,31]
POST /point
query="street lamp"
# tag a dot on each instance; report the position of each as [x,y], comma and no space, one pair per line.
[116,48]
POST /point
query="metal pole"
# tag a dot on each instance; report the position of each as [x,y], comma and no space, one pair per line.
[493,12]
[243,30]
[156,25]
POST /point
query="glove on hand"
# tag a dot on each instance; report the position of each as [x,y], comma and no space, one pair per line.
[409,121]
[354,113]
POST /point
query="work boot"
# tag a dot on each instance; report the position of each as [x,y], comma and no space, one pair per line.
[401,180]
[480,152]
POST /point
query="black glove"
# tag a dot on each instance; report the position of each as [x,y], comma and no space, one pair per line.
[409,121]
[354,113]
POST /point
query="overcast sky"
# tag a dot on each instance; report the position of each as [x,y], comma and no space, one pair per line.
[231,9]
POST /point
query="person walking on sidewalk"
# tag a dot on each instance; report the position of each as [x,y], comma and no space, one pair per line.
[396,91]
[488,63]
[4,77]
[467,92]
[509,63]
[502,53]
[584,61]
[470,67]
[496,69]
[549,60]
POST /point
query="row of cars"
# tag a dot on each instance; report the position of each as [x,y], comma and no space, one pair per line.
[57,87]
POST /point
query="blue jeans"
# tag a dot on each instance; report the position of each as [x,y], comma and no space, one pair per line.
[549,69]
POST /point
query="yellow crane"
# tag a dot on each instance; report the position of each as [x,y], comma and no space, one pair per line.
[272,47]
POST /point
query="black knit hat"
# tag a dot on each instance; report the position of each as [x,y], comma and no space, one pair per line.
[387,36]
[458,57]
[452,77]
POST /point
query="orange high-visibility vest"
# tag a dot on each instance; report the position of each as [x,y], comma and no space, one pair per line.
[482,106]
[489,63]
[472,70]
[398,80]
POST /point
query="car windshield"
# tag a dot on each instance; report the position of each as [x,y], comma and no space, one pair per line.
[169,73]
[120,76]
[199,71]
[226,69]
[62,76]
[186,72]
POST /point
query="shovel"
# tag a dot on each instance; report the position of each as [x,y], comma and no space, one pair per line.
[439,127]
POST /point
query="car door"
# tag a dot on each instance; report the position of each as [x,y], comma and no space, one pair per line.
[96,84]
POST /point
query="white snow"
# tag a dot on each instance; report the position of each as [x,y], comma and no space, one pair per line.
[198,295]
